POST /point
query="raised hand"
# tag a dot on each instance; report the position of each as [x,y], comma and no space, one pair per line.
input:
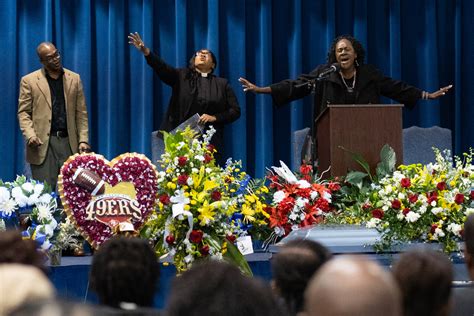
[439,93]
[248,86]
[135,40]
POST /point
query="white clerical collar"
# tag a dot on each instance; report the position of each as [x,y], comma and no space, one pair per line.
[204,74]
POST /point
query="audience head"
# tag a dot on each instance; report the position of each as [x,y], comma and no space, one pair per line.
[215,288]
[425,279]
[21,284]
[293,267]
[125,270]
[353,44]
[469,245]
[351,285]
[15,249]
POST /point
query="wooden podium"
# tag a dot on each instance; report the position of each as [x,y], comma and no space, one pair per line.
[360,128]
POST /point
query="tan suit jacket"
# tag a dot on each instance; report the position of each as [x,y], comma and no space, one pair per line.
[35,112]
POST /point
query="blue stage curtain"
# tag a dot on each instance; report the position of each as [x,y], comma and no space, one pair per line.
[425,43]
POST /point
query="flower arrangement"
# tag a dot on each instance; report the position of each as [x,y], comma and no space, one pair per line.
[30,206]
[422,203]
[197,200]
[298,200]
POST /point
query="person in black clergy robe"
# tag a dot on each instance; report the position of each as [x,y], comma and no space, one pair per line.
[195,90]
[354,83]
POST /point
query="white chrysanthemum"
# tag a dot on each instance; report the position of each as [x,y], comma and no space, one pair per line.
[8,207]
[436,210]
[33,199]
[398,176]
[4,194]
[38,189]
[44,211]
[303,184]
[412,217]
[439,233]
[278,196]
[27,187]
[373,222]
[400,216]
[314,195]
[327,196]
[45,198]
[455,229]
[199,157]
[17,193]
[300,202]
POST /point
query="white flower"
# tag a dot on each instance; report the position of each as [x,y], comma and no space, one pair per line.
[294,227]
[32,199]
[300,202]
[400,216]
[4,194]
[327,196]
[189,258]
[398,176]
[422,209]
[199,157]
[27,187]
[303,184]
[373,222]
[293,216]
[279,231]
[8,207]
[412,217]
[46,245]
[401,196]
[38,189]
[45,198]
[180,145]
[455,229]
[469,211]
[436,210]
[195,170]
[278,196]
[17,193]
[190,181]
[208,170]
[438,234]
[314,195]
[433,203]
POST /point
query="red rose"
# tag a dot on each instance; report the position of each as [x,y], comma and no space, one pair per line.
[406,211]
[170,239]
[182,161]
[396,204]
[216,195]
[405,183]
[366,206]
[433,228]
[441,186]
[413,198]
[231,238]
[207,158]
[196,236]
[472,195]
[432,197]
[334,186]
[306,169]
[204,250]
[378,213]
[165,199]
[459,198]
[183,179]
[211,148]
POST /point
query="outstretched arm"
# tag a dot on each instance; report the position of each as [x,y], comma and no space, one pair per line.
[135,40]
[434,95]
[248,86]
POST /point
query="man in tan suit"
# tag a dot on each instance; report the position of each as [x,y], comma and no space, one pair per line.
[52,114]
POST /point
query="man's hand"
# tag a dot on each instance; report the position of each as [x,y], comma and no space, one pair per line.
[439,93]
[34,141]
[206,118]
[135,40]
[84,148]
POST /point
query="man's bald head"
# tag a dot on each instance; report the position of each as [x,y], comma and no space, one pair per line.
[44,49]
[352,285]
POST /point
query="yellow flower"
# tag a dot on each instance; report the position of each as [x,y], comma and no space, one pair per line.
[206,214]
[171,185]
[248,213]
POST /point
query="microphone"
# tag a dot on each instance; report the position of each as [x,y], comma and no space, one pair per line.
[333,68]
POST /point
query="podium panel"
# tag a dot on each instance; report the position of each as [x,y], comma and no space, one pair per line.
[360,128]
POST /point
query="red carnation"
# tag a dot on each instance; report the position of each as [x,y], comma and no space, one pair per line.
[196,236]
[441,186]
[182,161]
[413,198]
[207,158]
[170,239]
[405,182]
[165,199]
[366,206]
[306,169]
[378,213]
[472,195]
[334,186]
[396,204]
[211,148]
[433,228]
[459,198]
[204,250]
[432,197]
[183,179]
[406,211]
[216,195]
[231,238]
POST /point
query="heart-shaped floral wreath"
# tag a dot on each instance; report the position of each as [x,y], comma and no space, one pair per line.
[130,167]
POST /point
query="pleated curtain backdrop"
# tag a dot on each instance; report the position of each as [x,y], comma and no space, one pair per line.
[426,43]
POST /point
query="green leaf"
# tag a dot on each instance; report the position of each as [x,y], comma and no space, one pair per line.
[235,256]
[356,178]
[387,162]
[359,159]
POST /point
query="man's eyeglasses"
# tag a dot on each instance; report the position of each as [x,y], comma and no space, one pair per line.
[203,52]
[53,57]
